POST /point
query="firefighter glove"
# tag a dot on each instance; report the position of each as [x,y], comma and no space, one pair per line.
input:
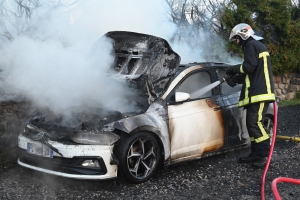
[230,71]
[233,70]
[230,81]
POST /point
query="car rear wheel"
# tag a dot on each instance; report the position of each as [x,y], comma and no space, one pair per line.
[139,157]
[269,125]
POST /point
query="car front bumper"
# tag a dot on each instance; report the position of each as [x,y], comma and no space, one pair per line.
[69,161]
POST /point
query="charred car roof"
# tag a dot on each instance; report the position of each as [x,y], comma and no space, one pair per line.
[204,64]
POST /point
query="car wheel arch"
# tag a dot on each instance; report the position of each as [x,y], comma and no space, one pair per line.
[162,139]
[151,130]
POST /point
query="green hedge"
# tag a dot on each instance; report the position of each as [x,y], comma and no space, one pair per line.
[278,21]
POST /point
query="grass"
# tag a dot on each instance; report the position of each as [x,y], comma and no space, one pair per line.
[288,103]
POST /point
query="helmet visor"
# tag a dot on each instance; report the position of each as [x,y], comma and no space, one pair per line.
[255,37]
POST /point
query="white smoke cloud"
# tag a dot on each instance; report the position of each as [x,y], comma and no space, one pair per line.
[51,65]
[207,47]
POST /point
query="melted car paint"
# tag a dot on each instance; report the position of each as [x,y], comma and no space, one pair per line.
[195,128]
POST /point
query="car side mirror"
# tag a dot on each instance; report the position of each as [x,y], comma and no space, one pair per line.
[181,97]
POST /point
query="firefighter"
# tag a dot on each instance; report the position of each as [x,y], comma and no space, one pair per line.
[255,73]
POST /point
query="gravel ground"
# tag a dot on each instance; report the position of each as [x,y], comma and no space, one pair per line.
[217,177]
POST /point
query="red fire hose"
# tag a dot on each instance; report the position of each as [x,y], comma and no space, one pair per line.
[280,179]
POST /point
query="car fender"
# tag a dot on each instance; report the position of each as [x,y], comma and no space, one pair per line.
[148,121]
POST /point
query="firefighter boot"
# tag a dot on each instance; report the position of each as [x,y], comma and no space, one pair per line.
[249,159]
[260,163]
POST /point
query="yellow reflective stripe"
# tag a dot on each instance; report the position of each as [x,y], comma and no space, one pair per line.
[261,108]
[247,81]
[264,136]
[266,70]
[257,98]
[241,69]
[261,139]
[262,54]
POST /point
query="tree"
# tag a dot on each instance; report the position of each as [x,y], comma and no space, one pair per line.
[197,24]
[275,20]
[19,17]
[15,16]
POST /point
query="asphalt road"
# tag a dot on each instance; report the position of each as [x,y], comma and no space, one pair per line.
[217,177]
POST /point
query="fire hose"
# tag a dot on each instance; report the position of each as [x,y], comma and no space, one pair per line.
[262,190]
[295,139]
[279,179]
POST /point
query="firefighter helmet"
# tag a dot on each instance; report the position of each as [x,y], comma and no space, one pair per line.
[244,31]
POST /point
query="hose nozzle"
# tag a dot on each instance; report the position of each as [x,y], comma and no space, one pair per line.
[225,78]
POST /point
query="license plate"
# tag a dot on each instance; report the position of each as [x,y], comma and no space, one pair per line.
[39,149]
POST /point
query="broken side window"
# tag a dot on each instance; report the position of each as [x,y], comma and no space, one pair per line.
[194,83]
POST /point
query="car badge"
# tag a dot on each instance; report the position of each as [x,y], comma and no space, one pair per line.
[38,136]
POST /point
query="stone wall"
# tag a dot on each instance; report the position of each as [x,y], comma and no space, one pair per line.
[12,118]
[286,86]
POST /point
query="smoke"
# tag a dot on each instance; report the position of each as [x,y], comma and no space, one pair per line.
[204,47]
[51,62]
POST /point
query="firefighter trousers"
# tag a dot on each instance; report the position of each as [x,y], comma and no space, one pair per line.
[260,140]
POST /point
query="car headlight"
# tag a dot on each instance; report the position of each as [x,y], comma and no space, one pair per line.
[91,163]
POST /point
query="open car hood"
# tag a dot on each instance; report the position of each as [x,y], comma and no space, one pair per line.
[147,61]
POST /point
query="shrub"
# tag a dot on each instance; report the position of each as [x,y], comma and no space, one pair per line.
[297,94]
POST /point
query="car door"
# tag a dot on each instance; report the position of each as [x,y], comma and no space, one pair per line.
[196,125]
[235,129]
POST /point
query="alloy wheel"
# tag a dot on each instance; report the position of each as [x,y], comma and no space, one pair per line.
[141,158]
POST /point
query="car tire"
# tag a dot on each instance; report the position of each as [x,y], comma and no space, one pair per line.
[139,157]
[269,125]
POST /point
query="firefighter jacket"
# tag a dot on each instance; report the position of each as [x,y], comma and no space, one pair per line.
[258,85]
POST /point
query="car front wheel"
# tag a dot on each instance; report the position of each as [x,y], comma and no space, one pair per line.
[139,157]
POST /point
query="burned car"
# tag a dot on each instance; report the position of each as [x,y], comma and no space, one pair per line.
[185,114]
